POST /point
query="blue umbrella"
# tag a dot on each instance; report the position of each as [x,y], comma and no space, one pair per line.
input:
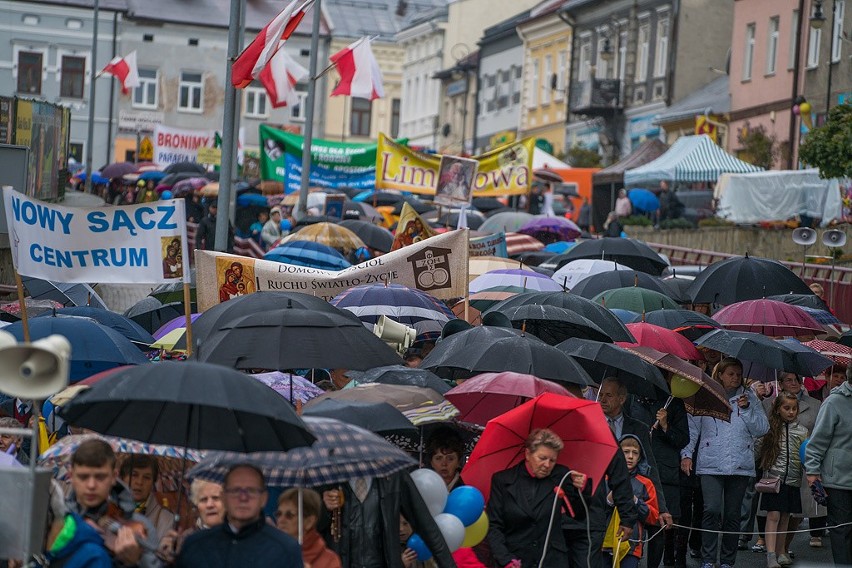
[250,199]
[94,347]
[123,325]
[626,316]
[309,254]
[155,175]
[643,200]
[559,247]
[97,178]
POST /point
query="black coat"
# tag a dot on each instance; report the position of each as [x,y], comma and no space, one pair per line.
[205,235]
[667,445]
[519,511]
[641,431]
[258,544]
[618,480]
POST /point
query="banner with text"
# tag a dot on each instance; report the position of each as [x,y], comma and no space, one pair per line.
[489,245]
[174,145]
[503,171]
[130,244]
[437,265]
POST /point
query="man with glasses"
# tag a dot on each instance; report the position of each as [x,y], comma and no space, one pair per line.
[245,538]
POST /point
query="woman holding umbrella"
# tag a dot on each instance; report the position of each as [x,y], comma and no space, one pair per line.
[524,522]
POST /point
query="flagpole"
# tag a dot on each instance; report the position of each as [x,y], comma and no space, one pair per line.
[22,302]
[301,208]
[90,137]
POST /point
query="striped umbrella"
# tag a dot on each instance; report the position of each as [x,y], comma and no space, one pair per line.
[828,320]
[513,280]
[308,253]
[838,353]
[329,234]
[516,243]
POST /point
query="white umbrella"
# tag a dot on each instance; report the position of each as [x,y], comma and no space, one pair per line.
[570,274]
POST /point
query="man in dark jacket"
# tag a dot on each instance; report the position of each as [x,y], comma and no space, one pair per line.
[244,539]
[205,235]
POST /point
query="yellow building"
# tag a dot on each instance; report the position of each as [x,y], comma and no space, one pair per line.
[547,56]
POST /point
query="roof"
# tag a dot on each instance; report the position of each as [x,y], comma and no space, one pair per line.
[356,18]
[469,63]
[648,151]
[107,5]
[690,159]
[436,14]
[712,98]
[501,28]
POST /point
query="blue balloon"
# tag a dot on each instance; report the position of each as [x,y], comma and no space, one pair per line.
[416,544]
[802,449]
[466,503]
[166,195]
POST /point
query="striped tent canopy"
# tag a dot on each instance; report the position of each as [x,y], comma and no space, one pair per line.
[690,159]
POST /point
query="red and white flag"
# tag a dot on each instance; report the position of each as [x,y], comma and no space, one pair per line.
[124,69]
[359,71]
[259,52]
[279,78]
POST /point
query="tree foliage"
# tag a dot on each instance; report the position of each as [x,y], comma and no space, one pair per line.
[758,148]
[580,157]
[829,147]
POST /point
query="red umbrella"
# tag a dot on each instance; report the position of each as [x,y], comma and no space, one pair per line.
[487,396]
[837,352]
[769,317]
[662,339]
[589,443]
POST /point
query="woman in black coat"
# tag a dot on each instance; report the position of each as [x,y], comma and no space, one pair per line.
[522,503]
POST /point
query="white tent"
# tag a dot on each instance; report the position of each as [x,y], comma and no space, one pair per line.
[542,159]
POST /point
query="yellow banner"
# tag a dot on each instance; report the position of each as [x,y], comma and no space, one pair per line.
[503,171]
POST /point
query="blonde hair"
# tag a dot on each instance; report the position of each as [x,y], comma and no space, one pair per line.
[544,437]
[310,501]
[725,364]
[196,487]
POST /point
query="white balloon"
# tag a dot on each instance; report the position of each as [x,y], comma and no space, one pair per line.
[452,528]
[432,488]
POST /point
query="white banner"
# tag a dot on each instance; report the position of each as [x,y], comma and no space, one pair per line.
[173,145]
[138,243]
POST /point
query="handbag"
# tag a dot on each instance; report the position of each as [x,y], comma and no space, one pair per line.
[768,484]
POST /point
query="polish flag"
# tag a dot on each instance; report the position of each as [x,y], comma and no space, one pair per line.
[124,68]
[359,71]
[259,52]
[279,78]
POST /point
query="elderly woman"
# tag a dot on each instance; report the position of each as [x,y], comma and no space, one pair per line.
[314,551]
[725,461]
[445,449]
[206,499]
[521,508]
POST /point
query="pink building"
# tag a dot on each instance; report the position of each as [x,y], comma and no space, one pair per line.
[762,69]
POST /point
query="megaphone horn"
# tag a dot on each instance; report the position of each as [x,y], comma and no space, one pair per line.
[804,236]
[834,238]
[37,370]
[393,332]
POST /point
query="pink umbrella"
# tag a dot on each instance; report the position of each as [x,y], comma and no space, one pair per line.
[551,229]
[662,339]
[769,317]
[487,396]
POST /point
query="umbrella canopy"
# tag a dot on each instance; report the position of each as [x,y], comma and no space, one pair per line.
[598,314]
[769,317]
[635,299]
[602,360]
[404,305]
[744,278]
[518,243]
[494,349]
[94,347]
[118,169]
[402,375]
[358,210]
[484,300]
[479,265]
[181,167]
[189,404]
[65,294]
[626,316]
[758,349]
[123,325]
[188,186]
[803,300]
[506,221]
[574,272]
[487,396]
[551,229]
[291,387]
[341,452]
[486,204]
[294,338]
[379,198]
[451,219]
[629,252]
[689,324]
[420,405]
[308,253]
[599,283]
[553,325]
[643,200]
[840,354]
[419,206]
[377,417]
[664,340]
[589,443]
[513,280]
[172,292]
[155,175]
[171,325]
[846,339]
[329,234]
[372,235]
[709,400]
[151,314]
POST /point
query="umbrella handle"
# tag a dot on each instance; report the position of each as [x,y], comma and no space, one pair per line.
[665,407]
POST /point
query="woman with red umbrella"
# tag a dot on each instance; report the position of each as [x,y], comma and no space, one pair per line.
[525,525]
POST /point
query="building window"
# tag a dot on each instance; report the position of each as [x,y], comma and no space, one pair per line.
[75,150]
[662,50]
[748,55]
[190,92]
[534,85]
[585,59]
[548,72]
[395,111]
[602,64]
[562,75]
[145,95]
[256,102]
[622,55]
[29,72]
[517,80]
[73,75]
[837,31]
[362,111]
[794,35]
[814,39]
[772,45]
[297,111]
[643,51]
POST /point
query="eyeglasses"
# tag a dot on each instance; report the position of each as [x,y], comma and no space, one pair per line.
[289,515]
[244,491]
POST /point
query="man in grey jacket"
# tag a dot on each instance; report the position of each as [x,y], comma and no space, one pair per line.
[828,459]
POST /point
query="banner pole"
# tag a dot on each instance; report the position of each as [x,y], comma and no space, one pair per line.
[23,304]
[188,311]
[467,278]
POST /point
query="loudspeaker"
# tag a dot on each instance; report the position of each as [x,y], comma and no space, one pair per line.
[804,236]
[395,333]
[34,371]
[834,238]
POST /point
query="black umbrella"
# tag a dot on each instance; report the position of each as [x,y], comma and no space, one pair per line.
[382,198]
[312,220]
[744,278]
[689,324]
[173,178]
[678,289]
[629,252]
[186,167]
[552,324]
[602,360]
[486,349]
[451,219]
[378,417]
[361,210]
[765,352]
[542,270]
[419,206]
[189,404]
[591,286]
[803,300]
[173,291]
[846,339]
[598,314]
[373,236]
[533,258]
[402,375]
[151,314]
[295,338]
[486,204]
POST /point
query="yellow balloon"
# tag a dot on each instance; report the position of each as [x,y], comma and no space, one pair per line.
[475,533]
[805,108]
[683,387]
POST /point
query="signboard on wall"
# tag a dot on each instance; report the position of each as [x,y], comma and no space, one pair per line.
[43,128]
